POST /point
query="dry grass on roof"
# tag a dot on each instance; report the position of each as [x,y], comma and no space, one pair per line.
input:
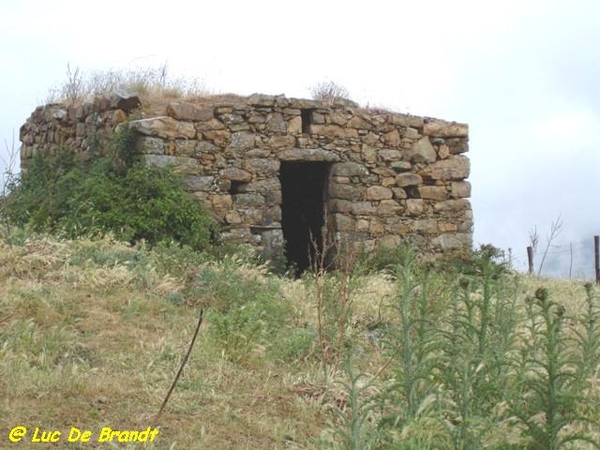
[154,86]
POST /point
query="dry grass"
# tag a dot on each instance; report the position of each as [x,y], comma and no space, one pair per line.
[90,336]
[151,84]
[92,344]
[154,86]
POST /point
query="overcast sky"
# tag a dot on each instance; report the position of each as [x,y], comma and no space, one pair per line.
[524,74]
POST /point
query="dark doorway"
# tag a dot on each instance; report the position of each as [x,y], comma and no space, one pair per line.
[304,194]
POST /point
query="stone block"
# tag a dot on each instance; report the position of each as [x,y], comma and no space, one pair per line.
[379,193]
[405,120]
[183,164]
[443,151]
[447,227]
[423,151]
[433,192]
[340,118]
[249,215]
[258,152]
[184,147]
[218,137]
[452,206]
[261,100]
[457,145]
[414,207]
[334,131]
[235,174]
[411,133]
[399,193]
[388,208]
[272,216]
[452,241]
[387,154]
[399,228]
[442,128]
[276,123]
[221,201]
[281,141]
[370,138]
[376,228]
[388,182]
[210,125]
[229,118]
[261,166]
[242,140]
[362,225]
[344,222]
[461,189]
[187,111]
[164,127]
[248,200]
[359,123]
[455,168]
[233,217]
[257,119]
[340,206]
[344,191]
[349,169]
[206,147]
[294,126]
[150,145]
[466,226]
[340,180]
[198,183]
[392,138]
[308,154]
[401,166]
[389,241]
[363,208]
[125,100]
[408,179]
[425,226]
[368,153]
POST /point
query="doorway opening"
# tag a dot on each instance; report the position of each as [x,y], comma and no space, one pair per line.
[304,200]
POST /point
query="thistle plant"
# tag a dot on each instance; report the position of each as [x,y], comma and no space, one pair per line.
[554,370]
[478,337]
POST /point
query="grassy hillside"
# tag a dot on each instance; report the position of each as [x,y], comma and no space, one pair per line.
[92,334]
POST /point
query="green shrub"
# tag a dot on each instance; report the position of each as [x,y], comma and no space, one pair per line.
[386,259]
[292,344]
[246,308]
[112,194]
[487,259]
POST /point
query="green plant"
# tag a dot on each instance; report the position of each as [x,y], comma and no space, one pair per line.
[387,259]
[359,431]
[7,180]
[292,344]
[553,374]
[246,310]
[135,202]
[475,262]
[413,403]
[480,336]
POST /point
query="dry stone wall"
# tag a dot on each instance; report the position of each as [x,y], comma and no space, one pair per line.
[390,177]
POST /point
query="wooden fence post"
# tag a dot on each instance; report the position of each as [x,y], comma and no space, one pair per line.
[530,258]
[597,257]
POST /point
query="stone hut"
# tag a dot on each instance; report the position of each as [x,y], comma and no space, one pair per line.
[278,171]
